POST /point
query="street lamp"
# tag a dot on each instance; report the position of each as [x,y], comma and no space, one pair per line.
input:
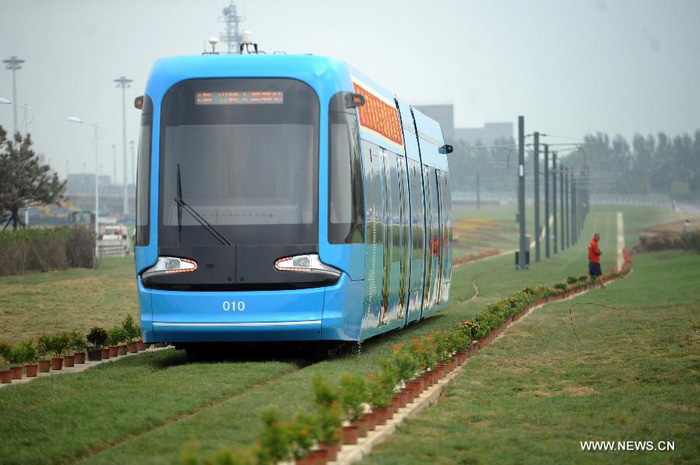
[75,119]
[123,82]
[13,63]
[24,119]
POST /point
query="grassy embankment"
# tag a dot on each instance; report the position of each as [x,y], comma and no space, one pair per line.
[144,408]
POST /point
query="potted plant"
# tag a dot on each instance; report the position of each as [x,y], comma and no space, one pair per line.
[5,372]
[274,439]
[97,337]
[133,332]
[43,348]
[352,396]
[29,358]
[79,345]
[329,415]
[15,357]
[302,433]
[60,344]
[115,340]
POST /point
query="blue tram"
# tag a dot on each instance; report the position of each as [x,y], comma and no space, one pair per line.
[286,198]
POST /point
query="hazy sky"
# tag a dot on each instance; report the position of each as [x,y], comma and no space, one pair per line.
[570,66]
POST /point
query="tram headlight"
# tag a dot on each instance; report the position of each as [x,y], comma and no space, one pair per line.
[168,265]
[307,263]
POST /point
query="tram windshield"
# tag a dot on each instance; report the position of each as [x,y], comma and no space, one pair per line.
[242,154]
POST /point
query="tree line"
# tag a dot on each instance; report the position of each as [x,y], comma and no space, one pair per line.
[652,164]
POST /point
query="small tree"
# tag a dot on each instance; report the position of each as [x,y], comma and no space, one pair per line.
[23,181]
[131,328]
[97,337]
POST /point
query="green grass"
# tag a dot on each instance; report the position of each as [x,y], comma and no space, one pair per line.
[59,418]
[145,408]
[78,298]
[615,364]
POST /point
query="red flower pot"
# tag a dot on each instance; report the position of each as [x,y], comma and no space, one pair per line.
[320,456]
[132,347]
[332,450]
[6,377]
[403,398]
[16,372]
[56,363]
[383,415]
[351,434]
[121,350]
[308,460]
[414,387]
[140,346]
[69,361]
[362,426]
[44,366]
[371,418]
[79,358]
[31,370]
[104,353]
[113,352]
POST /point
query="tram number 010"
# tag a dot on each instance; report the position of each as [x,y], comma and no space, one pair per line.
[233,305]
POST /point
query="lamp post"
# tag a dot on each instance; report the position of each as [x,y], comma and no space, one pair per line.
[13,63]
[75,119]
[25,107]
[123,82]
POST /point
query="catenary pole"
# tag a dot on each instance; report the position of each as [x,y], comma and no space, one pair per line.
[522,263]
[536,160]
[546,200]
[554,200]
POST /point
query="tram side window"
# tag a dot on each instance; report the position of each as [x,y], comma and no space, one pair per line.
[143,175]
[416,208]
[346,215]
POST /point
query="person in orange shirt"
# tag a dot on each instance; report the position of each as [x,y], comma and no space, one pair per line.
[594,254]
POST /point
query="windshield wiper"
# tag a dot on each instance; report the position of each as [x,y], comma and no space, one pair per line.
[182,204]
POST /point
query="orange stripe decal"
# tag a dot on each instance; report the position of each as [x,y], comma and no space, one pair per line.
[378,116]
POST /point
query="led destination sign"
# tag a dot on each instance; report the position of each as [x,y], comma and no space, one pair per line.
[239,98]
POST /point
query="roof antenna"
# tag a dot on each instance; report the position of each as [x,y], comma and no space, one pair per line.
[246,42]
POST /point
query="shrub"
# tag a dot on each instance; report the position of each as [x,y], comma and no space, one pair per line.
[131,328]
[352,396]
[302,432]
[60,344]
[117,336]
[14,253]
[274,440]
[5,351]
[469,330]
[27,352]
[571,280]
[691,240]
[406,364]
[328,410]
[80,247]
[48,249]
[97,336]
[77,341]
[45,249]
[45,345]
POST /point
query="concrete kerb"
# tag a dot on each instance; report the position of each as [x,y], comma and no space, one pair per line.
[78,368]
[354,453]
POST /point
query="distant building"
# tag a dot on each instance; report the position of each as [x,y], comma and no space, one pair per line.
[487,135]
